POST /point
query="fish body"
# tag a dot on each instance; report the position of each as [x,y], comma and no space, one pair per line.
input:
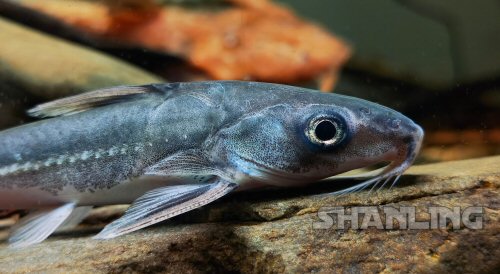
[78,157]
[169,148]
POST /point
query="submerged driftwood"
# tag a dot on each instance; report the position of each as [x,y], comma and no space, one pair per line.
[272,231]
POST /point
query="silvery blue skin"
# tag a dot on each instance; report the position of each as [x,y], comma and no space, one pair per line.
[170,148]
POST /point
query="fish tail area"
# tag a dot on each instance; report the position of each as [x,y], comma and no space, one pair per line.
[38,225]
[163,203]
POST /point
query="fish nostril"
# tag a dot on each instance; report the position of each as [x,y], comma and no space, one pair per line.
[365,110]
[395,124]
[414,137]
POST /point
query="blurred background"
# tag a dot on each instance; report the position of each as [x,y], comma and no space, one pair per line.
[435,61]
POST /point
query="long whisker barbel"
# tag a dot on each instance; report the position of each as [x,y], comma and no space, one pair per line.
[395,181]
[375,185]
[385,182]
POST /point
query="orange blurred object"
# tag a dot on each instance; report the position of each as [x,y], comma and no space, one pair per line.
[470,136]
[249,39]
[449,145]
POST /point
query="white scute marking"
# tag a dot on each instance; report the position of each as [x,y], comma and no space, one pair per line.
[85,155]
[49,162]
[61,159]
[112,151]
[65,158]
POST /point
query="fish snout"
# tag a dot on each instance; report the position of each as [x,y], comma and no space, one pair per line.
[413,139]
[408,131]
[417,133]
[400,137]
[401,127]
[408,137]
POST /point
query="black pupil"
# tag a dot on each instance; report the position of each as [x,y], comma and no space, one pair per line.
[325,130]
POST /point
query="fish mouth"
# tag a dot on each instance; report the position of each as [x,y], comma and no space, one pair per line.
[394,170]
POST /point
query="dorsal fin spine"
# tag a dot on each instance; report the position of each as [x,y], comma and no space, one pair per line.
[89,100]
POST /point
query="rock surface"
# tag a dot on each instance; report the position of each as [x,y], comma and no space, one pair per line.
[272,231]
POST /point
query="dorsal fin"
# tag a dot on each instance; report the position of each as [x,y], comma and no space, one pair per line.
[88,100]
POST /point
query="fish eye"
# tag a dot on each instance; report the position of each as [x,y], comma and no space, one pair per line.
[325,131]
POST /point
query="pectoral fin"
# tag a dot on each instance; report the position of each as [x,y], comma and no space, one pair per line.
[163,203]
[75,218]
[191,162]
[37,226]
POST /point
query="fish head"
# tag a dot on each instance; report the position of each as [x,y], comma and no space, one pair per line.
[316,135]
